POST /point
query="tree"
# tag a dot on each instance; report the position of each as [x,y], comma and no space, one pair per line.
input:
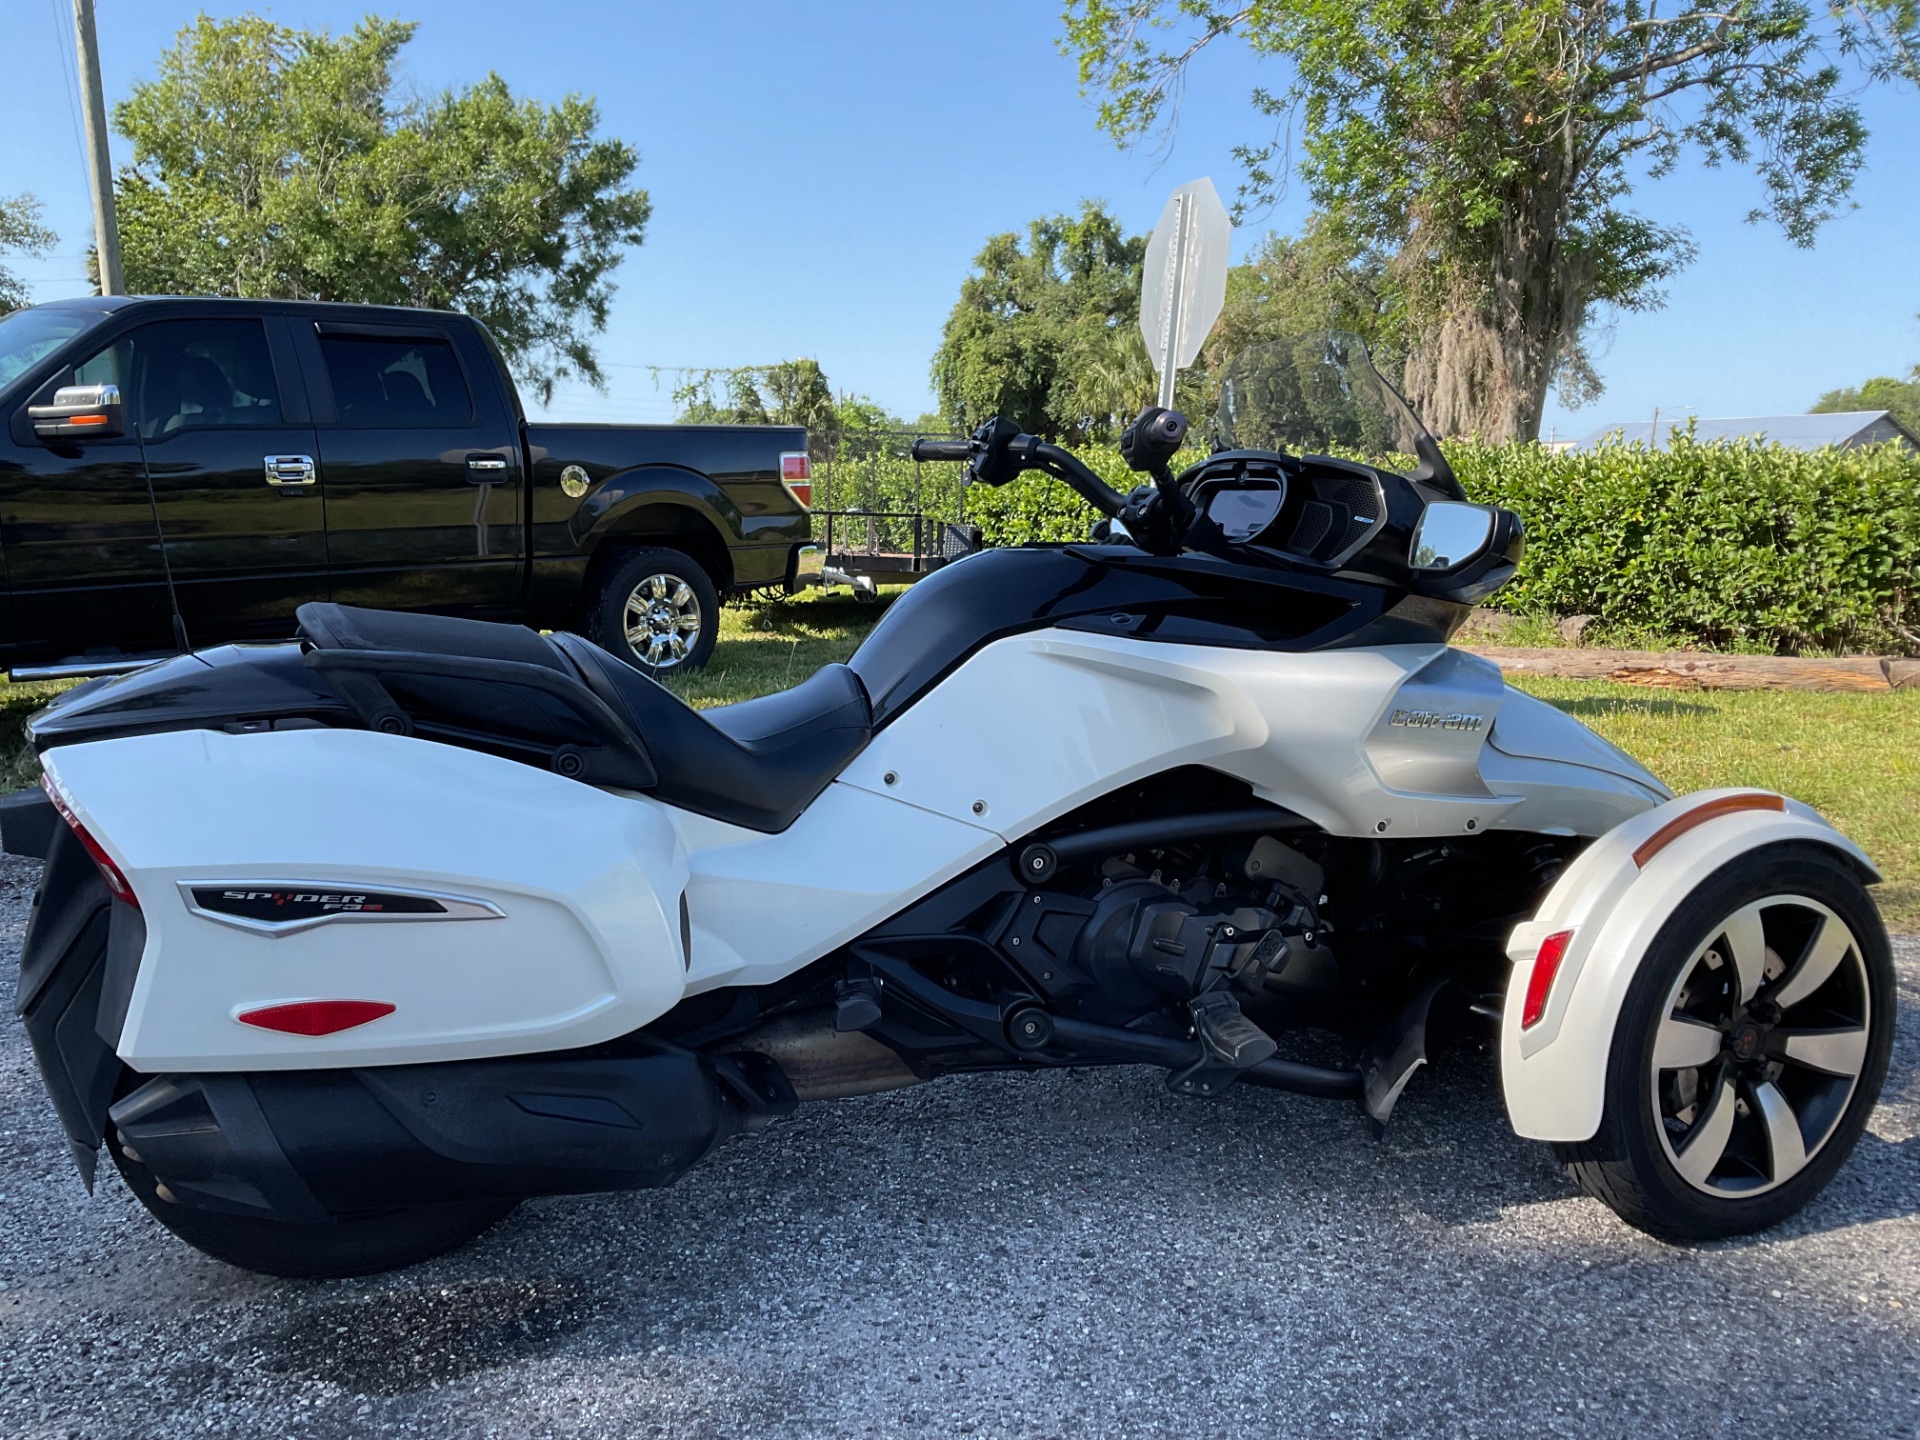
[21,231]
[270,161]
[794,392]
[1490,148]
[1045,332]
[1901,398]
[1318,280]
[1887,39]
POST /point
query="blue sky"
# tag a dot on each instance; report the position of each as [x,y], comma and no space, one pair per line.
[822,174]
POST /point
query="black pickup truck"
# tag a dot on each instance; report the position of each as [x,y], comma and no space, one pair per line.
[267,453]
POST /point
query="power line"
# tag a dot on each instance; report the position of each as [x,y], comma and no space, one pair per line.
[61,22]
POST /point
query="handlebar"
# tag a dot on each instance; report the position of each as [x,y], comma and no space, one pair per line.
[941,449]
[997,453]
[1063,465]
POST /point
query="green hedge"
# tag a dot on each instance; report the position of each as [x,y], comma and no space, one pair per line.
[1741,546]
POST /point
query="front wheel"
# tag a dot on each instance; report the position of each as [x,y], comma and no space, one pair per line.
[1749,1051]
[658,611]
[351,1245]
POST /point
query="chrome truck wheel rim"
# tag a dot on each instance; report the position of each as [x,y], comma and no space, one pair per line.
[1760,1047]
[662,620]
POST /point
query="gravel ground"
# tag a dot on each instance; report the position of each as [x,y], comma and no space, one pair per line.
[1075,1254]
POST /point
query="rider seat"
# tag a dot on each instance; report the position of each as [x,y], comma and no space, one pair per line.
[563,702]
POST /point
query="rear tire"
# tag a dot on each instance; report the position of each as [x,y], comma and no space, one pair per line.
[658,611]
[1712,1126]
[352,1245]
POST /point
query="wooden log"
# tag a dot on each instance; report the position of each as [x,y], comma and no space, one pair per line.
[1697,670]
[1902,674]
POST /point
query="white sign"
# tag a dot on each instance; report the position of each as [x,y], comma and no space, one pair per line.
[1185,283]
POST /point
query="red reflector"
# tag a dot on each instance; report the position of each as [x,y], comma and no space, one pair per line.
[315,1017]
[103,862]
[1546,965]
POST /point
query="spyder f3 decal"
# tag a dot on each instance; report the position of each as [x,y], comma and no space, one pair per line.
[276,907]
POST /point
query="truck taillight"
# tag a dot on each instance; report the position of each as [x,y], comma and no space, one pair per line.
[103,862]
[796,473]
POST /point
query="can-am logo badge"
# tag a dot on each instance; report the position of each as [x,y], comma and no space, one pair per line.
[278,908]
[1437,720]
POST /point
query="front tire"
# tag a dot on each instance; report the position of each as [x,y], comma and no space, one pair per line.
[1749,1052]
[658,611]
[352,1245]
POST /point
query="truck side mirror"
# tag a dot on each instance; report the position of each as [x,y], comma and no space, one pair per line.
[80,412]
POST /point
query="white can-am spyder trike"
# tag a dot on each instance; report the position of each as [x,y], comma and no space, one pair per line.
[344,947]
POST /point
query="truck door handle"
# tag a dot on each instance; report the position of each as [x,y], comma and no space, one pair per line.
[483,469]
[289,472]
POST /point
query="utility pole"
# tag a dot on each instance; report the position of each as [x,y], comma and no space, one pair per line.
[93,106]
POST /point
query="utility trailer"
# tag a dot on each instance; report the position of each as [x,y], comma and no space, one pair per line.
[879,516]
[851,549]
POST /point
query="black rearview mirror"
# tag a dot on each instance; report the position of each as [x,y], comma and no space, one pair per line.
[80,412]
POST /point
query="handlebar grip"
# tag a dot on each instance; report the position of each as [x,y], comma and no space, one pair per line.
[1170,428]
[942,450]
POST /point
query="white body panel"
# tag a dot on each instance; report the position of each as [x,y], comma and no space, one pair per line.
[589,885]
[1400,741]
[764,905]
[1033,726]
[1554,1074]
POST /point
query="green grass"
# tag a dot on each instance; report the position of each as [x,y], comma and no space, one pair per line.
[18,768]
[770,646]
[1853,757]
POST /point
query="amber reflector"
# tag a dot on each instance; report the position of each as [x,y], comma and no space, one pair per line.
[1700,815]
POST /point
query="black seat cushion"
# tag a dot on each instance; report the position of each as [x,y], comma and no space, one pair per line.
[757,764]
[349,627]
[499,688]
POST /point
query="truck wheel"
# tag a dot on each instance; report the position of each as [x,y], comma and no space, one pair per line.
[1749,1052]
[352,1245]
[658,611]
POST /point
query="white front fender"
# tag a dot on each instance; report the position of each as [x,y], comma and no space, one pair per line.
[1613,905]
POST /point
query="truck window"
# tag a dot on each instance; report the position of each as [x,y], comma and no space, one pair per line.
[382,383]
[29,335]
[180,375]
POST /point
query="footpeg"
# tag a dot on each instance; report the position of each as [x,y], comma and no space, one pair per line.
[1231,1040]
[1229,1044]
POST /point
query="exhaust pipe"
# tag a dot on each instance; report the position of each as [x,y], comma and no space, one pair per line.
[822,1063]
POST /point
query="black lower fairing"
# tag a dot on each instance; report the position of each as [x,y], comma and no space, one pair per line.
[77,969]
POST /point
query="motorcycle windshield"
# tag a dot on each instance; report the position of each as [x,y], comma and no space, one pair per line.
[1315,394]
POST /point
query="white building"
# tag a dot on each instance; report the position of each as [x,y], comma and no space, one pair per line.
[1844,430]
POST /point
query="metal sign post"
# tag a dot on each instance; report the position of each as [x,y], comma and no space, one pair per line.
[1185,281]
